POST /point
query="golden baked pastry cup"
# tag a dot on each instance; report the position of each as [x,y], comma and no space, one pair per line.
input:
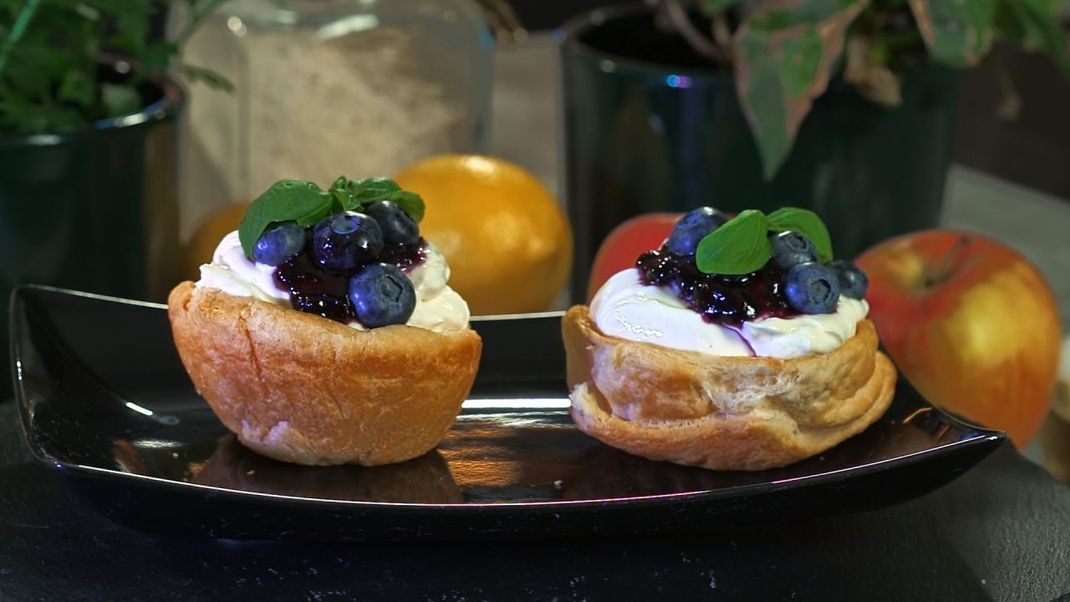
[300,388]
[722,413]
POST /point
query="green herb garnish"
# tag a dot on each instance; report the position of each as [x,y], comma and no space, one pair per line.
[804,222]
[741,245]
[355,195]
[738,246]
[306,203]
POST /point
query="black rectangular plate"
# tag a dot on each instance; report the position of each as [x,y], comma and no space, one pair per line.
[105,401]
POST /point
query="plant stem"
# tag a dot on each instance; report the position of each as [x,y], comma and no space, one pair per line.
[199,13]
[1010,104]
[22,21]
[683,25]
[722,35]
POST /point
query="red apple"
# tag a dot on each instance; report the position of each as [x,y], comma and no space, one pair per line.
[970,323]
[625,243]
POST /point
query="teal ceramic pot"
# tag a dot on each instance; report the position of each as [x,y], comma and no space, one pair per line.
[650,127]
[93,210]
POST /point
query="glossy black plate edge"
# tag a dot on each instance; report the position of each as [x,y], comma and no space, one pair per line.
[169,509]
[88,481]
[502,372]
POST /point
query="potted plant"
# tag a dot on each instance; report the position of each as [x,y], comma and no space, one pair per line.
[87,174]
[842,106]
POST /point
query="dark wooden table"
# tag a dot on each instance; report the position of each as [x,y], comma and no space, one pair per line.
[1001,531]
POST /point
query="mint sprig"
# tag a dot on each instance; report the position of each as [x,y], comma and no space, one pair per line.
[741,245]
[738,246]
[355,195]
[286,200]
[306,203]
[804,222]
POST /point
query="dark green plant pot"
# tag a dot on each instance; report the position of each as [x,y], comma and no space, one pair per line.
[93,210]
[649,127]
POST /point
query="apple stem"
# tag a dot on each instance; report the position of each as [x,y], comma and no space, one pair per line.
[941,270]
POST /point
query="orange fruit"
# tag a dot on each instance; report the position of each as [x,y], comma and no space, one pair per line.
[206,237]
[507,241]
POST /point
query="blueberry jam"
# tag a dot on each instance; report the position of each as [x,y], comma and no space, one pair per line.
[323,292]
[720,299]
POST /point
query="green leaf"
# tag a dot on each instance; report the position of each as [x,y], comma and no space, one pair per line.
[120,99]
[369,190]
[715,6]
[785,53]
[77,88]
[361,193]
[739,246]
[132,23]
[411,202]
[958,32]
[1036,25]
[210,78]
[804,222]
[157,57]
[347,200]
[286,200]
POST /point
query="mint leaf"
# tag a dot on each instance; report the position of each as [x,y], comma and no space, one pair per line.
[347,200]
[411,202]
[358,194]
[739,246]
[369,190]
[286,200]
[804,222]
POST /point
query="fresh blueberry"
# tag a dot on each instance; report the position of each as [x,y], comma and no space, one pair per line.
[812,288]
[381,295]
[791,248]
[692,228]
[853,281]
[279,243]
[346,241]
[397,225]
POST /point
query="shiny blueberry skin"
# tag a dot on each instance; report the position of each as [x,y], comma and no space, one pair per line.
[853,281]
[812,288]
[398,226]
[692,228]
[381,295]
[346,241]
[791,248]
[279,243]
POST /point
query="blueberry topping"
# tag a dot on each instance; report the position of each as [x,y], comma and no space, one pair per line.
[398,226]
[381,295]
[718,298]
[279,243]
[346,241]
[853,281]
[323,292]
[812,288]
[791,248]
[692,228]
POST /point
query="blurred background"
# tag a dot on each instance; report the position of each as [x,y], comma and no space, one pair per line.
[133,136]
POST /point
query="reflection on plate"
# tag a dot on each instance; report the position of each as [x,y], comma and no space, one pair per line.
[424,480]
[105,401]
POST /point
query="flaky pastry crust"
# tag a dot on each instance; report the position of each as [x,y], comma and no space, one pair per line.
[722,413]
[300,388]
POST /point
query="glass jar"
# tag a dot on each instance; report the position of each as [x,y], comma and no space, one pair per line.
[324,88]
